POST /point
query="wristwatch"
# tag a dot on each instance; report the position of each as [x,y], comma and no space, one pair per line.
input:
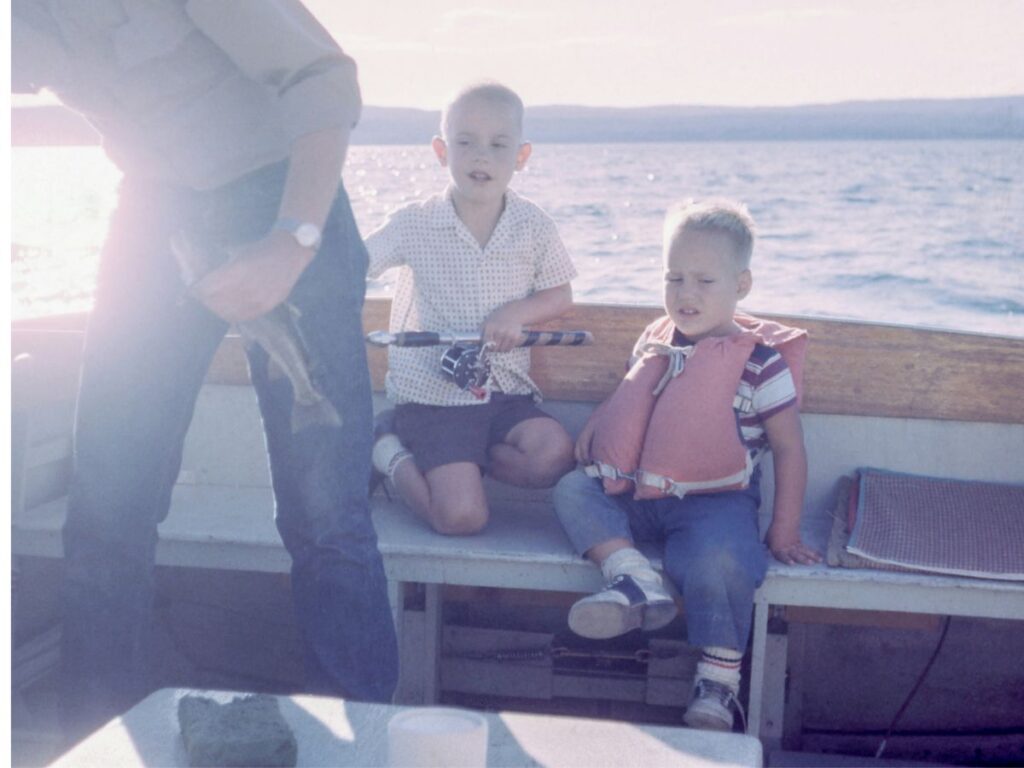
[307,235]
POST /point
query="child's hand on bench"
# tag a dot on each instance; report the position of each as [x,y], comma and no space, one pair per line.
[787,546]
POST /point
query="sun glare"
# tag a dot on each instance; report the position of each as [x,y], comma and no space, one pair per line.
[59,215]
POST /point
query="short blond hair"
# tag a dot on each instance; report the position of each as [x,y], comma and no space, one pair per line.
[488,90]
[716,214]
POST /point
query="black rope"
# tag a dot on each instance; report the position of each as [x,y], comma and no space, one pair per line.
[913,691]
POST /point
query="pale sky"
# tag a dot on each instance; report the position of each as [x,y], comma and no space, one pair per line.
[414,53]
[717,52]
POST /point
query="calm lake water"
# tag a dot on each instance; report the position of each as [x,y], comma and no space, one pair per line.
[919,233]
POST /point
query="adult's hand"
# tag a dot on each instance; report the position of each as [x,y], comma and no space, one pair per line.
[261,275]
[257,278]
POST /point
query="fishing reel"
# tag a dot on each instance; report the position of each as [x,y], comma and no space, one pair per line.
[466,365]
[465,361]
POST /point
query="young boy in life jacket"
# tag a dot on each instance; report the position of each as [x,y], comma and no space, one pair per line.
[672,456]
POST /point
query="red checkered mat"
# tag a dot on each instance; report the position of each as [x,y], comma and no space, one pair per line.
[959,527]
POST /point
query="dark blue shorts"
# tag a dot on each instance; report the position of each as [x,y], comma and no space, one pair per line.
[446,434]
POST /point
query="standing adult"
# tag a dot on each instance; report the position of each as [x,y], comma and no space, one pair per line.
[230,121]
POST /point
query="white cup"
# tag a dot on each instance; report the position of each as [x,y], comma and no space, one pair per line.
[437,737]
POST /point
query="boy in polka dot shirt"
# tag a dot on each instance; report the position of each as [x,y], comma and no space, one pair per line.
[477,257]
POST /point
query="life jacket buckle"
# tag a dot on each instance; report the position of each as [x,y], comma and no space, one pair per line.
[743,404]
[658,482]
[601,471]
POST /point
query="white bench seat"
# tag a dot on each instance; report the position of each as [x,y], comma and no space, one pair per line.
[228,528]
[523,547]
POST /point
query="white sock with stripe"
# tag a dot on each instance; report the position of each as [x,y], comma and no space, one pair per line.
[720,665]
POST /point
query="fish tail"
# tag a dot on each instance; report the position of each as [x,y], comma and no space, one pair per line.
[321,413]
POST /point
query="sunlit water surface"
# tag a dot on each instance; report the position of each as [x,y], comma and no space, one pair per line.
[920,233]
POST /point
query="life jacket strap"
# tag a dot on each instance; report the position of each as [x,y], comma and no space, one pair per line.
[676,360]
[601,470]
[670,487]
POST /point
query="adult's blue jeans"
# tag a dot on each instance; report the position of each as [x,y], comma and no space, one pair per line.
[147,351]
[713,552]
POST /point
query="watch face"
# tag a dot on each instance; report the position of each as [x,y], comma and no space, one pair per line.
[307,235]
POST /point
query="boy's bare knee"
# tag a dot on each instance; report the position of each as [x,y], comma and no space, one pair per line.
[552,460]
[553,470]
[458,521]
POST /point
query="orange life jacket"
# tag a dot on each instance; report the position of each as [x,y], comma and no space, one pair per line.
[672,425]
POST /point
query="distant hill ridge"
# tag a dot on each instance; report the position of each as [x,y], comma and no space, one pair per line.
[985,118]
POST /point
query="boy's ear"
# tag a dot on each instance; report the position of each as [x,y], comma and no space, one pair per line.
[746,282]
[523,155]
[441,150]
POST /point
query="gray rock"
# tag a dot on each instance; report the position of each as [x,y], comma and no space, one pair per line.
[247,731]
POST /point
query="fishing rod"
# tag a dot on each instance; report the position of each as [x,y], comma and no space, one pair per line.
[465,358]
[448,338]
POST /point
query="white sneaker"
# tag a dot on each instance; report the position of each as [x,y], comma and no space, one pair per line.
[623,605]
[711,707]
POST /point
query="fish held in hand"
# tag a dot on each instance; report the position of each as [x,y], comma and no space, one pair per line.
[276,332]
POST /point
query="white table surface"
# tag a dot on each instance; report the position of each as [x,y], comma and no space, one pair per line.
[334,732]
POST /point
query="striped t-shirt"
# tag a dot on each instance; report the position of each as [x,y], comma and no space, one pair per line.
[766,384]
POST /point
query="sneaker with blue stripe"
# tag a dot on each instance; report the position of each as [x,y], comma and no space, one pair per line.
[625,604]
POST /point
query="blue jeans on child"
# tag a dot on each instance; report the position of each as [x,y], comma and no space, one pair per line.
[147,351]
[713,552]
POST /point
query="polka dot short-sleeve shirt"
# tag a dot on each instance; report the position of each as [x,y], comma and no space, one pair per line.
[448,283]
